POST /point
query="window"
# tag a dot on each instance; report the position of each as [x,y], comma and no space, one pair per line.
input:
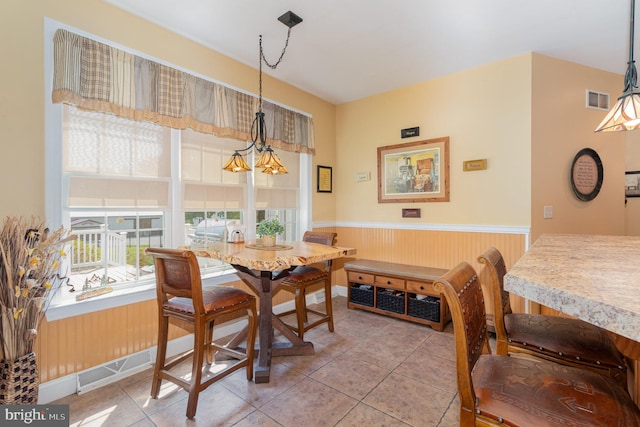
[277,195]
[129,185]
[122,186]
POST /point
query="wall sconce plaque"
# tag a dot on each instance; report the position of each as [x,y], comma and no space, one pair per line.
[474,165]
[586,174]
[411,213]
[409,132]
[325,179]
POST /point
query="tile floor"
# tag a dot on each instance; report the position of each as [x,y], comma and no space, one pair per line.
[372,371]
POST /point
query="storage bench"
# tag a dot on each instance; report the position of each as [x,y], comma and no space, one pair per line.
[397,290]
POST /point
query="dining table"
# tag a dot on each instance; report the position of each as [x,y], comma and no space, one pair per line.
[263,268]
[595,278]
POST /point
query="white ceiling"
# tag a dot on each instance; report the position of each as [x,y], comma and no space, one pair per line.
[350,49]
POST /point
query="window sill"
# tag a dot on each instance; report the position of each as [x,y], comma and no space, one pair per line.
[121,297]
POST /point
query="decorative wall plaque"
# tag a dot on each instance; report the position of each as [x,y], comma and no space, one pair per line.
[586,174]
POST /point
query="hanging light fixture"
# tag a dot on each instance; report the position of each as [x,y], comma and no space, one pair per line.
[625,115]
[268,161]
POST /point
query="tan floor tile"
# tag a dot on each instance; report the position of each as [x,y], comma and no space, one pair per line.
[452,416]
[315,405]
[352,377]
[378,352]
[140,392]
[257,418]
[407,327]
[307,364]
[439,344]
[363,415]
[431,370]
[142,423]
[216,407]
[282,378]
[409,400]
[106,406]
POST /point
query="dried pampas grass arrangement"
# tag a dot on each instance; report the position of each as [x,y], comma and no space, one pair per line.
[30,260]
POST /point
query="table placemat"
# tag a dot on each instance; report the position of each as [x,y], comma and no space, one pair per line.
[268,248]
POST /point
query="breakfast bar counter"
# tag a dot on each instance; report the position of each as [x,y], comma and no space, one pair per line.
[595,278]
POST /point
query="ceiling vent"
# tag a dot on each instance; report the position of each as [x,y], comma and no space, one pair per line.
[597,100]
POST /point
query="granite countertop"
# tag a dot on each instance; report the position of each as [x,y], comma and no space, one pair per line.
[595,278]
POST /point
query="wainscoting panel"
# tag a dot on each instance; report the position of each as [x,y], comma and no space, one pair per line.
[74,344]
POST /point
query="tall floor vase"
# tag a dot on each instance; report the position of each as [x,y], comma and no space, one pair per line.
[19,381]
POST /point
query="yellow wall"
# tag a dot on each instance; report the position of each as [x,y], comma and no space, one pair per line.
[486,113]
[22,88]
[561,127]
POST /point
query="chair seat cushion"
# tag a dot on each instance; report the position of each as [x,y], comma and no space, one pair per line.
[304,274]
[542,393]
[570,338]
[215,298]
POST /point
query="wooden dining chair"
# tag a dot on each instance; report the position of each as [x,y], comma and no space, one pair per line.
[563,340]
[180,295]
[305,276]
[499,390]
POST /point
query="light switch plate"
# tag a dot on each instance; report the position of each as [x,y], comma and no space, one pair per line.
[363,176]
[548,212]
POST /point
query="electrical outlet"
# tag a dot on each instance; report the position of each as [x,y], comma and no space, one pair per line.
[548,212]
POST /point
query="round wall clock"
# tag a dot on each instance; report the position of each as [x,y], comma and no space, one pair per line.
[586,174]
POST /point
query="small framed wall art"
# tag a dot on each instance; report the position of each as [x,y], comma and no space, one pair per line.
[325,178]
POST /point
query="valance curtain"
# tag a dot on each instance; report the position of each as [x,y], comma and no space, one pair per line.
[96,76]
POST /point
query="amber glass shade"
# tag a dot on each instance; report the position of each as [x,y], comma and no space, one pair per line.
[237,164]
[625,115]
[278,170]
[270,163]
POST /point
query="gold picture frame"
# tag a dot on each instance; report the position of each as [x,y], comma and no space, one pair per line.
[414,172]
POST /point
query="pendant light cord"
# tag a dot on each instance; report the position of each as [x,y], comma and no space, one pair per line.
[631,76]
[272,66]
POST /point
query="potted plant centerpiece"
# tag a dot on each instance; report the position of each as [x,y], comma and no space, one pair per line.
[30,257]
[268,229]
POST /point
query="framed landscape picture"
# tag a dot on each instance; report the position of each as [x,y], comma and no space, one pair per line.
[414,172]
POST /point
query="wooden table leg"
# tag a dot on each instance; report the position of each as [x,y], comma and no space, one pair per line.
[265,330]
[295,346]
[264,284]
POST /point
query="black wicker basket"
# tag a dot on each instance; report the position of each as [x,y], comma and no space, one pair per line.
[361,295]
[391,300]
[427,308]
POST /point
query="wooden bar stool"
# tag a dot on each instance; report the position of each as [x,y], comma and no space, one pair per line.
[180,295]
[499,390]
[305,276]
[563,340]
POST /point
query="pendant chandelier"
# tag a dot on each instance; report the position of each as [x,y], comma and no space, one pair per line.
[268,160]
[625,115]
